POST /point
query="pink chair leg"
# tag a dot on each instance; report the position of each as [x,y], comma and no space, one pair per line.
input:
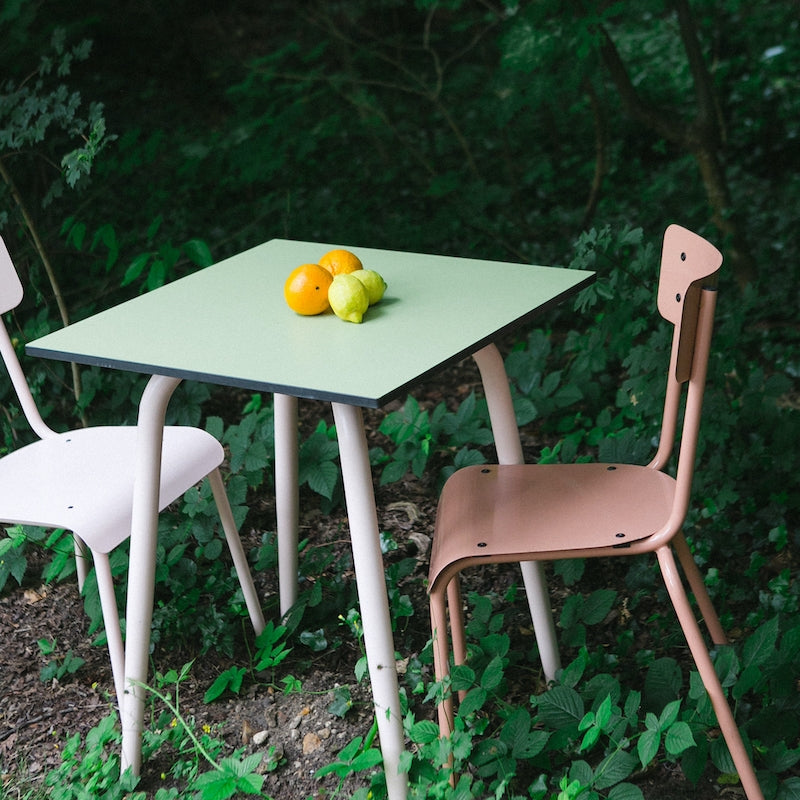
[237,551]
[698,587]
[457,633]
[441,657]
[705,667]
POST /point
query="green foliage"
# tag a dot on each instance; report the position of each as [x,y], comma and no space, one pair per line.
[440,127]
[59,666]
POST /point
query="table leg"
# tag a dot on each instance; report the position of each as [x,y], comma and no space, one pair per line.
[287,497]
[141,565]
[371,583]
[509,451]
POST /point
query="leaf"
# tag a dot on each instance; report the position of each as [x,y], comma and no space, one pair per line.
[560,707]
[603,716]
[669,714]
[424,732]
[493,674]
[625,791]
[662,683]
[473,701]
[135,269]
[198,252]
[368,759]
[314,639]
[761,644]
[647,746]
[230,679]
[618,766]
[342,702]
[597,605]
[678,738]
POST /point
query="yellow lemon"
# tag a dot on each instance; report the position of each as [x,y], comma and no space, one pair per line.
[372,282]
[348,297]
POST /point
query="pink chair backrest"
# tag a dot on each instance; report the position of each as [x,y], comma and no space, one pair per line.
[687,262]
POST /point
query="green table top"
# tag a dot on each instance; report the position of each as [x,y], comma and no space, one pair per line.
[229,323]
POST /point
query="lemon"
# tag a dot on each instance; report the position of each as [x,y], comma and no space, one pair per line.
[372,282]
[348,297]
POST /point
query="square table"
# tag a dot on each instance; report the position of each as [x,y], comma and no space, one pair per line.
[228,324]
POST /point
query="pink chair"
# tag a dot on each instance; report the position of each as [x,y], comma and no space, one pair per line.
[528,513]
[82,481]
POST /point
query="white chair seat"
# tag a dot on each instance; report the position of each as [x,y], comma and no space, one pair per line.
[82,480]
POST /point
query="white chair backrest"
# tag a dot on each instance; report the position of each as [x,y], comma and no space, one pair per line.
[10,286]
[10,297]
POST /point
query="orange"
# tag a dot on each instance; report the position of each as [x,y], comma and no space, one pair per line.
[340,262]
[306,289]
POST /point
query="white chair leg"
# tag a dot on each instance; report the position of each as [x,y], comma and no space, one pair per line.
[81,560]
[541,612]
[237,551]
[108,602]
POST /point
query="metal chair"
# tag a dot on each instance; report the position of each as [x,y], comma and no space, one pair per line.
[82,481]
[528,513]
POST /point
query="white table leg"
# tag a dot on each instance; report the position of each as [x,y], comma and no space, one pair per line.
[141,566]
[287,497]
[371,582]
[509,451]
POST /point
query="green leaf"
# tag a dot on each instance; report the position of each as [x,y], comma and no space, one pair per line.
[669,715]
[231,679]
[647,746]
[678,738]
[424,732]
[198,252]
[342,702]
[761,644]
[368,759]
[603,715]
[135,269]
[618,766]
[493,674]
[473,701]
[560,707]
[625,791]
[597,605]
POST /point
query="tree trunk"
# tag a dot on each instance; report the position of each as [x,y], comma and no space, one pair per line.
[703,136]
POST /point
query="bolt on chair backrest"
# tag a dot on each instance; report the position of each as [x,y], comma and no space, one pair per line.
[10,298]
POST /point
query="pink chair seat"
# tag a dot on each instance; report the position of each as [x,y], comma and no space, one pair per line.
[510,512]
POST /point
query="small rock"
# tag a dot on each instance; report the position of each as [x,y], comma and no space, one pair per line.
[260,737]
[311,743]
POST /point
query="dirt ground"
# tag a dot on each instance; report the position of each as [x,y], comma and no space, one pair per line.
[36,717]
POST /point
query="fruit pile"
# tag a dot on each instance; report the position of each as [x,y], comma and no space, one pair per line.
[338,281]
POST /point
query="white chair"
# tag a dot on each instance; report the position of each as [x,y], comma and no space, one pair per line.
[82,481]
